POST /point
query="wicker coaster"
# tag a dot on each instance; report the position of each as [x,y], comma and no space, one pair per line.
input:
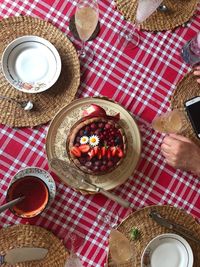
[48,103]
[149,229]
[187,88]
[180,11]
[72,27]
[18,236]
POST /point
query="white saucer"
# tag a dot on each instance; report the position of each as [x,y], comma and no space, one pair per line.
[31,64]
[167,250]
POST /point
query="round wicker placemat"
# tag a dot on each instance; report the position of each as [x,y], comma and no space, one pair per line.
[20,235]
[180,11]
[186,89]
[48,103]
[149,229]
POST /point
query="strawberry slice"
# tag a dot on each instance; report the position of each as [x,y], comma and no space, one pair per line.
[75,151]
[96,150]
[120,153]
[84,148]
[103,151]
[91,153]
[113,150]
[99,154]
[108,153]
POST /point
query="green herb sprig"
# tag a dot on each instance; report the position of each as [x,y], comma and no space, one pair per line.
[134,233]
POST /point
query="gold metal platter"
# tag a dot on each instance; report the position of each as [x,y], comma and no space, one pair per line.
[68,116]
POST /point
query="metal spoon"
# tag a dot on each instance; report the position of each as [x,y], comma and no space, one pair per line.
[11,203]
[26,105]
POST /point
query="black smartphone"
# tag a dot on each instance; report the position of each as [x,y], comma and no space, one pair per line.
[192,107]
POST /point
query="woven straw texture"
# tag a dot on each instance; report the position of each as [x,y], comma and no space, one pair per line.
[186,89]
[149,229]
[180,11]
[48,103]
[18,236]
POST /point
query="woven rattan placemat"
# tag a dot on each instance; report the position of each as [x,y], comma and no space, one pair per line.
[20,235]
[186,89]
[149,229]
[180,11]
[48,103]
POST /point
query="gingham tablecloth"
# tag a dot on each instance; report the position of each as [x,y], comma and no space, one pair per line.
[142,80]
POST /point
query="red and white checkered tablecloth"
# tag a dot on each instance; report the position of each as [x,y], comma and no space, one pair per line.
[142,80]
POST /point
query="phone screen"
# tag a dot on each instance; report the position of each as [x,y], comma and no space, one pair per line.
[194,113]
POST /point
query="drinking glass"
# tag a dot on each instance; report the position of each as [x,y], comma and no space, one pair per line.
[144,10]
[107,217]
[122,250]
[86,19]
[73,242]
[191,51]
[170,122]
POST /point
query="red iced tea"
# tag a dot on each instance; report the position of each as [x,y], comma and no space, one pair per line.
[36,196]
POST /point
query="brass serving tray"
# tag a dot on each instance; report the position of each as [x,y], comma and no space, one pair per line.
[67,117]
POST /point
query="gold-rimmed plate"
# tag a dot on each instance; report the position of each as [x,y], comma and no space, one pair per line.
[68,116]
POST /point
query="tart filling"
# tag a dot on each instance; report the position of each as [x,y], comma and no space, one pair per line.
[96,145]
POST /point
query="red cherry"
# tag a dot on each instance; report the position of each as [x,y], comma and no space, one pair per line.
[107,126]
[93,126]
[98,163]
[110,163]
[103,168]
[81,132]
[100,125]
[88,164]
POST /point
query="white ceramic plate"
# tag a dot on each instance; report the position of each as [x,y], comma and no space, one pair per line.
[31,64]
[41,174]
[167,250]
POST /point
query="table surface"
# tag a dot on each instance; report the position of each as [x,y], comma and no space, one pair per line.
[140,79]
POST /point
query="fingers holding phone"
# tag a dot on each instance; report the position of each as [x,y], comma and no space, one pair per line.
[192,107]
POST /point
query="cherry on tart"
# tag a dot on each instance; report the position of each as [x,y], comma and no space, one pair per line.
[97,145]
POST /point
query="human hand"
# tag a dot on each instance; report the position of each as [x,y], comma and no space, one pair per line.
[181,153]
[197,73]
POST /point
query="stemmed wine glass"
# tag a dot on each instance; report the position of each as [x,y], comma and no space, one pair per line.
[173,121]
[86,20]
[73,260]
[121,249]
[144,10]
[72,240]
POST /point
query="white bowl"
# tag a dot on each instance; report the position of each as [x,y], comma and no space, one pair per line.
[31,64]
[167,250]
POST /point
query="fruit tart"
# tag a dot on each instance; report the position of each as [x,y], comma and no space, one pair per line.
[97,143]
